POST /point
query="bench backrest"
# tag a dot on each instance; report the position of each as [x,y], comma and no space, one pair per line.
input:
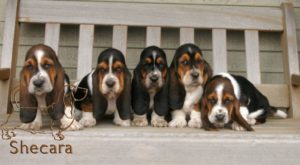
[155,16]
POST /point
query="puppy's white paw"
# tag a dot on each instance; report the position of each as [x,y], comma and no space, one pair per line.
[35,125]
[195,123]
[251,121]
[159,122]
[71,125]
[139,121]
[122,123]
[88,122]
[178,123]
[235,126]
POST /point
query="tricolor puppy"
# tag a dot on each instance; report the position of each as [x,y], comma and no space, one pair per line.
[109,90]
[42,84]
[150,88]
[188,74]
[233,99]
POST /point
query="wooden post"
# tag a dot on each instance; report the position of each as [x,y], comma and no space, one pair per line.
[85,50]
[153,36]
[252,56]
[52,36]
[120,38]
[9,52]
[290,57]
[219,50]
[187,35]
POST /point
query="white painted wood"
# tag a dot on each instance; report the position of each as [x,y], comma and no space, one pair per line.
[153,36]
[187,35]
[120,38]
[8,57]
[52,36]
[219,50]
[290,56]
[161,15]
[252,56]
[85,50]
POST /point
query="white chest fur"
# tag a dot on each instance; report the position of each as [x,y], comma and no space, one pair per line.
[192,97]
[151,94]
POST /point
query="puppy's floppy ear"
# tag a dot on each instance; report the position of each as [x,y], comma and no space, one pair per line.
[28,104]
[56,97]
[161,98]
[176,89]
[140,97]
[206,125]
[124,100]
[208,71]
[99,101]
[236,116]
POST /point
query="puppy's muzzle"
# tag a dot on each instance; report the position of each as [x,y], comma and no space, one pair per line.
[194,75]
[110,83]
[220,117]
[39,82]
[154,78]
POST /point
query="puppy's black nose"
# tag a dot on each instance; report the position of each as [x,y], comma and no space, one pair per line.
[154,78]
[195,75]
[38,83]
[220,117]
[110,83]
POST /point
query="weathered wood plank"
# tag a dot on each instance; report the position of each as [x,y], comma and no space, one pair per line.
[4,74]
[290,56]
[278,95]
[9,52]
[153,36]
[252,56]
[219,50]
[187,35]
[139,14]
[52,35]
[120,38]
[85,50]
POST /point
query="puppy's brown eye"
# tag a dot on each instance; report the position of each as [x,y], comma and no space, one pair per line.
[227,101]
[199,62]
[46,66]
[118,70]
[29,67]
[212,101]
[102,70]
[185,62]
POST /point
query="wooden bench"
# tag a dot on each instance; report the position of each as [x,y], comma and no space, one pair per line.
[155,16]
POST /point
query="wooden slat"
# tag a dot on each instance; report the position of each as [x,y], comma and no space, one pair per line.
[52,35]
[278,95]
[187,35]
[290,56]
[153,36]
[252,56]
[219,50]
[4,74]
[296,80]
[85,50]
[161,15]
[9,52]
[120,38]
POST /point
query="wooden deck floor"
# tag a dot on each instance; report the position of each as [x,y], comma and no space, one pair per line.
[276,142]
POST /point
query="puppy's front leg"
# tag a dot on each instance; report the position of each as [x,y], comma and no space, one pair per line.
[68,121]
[178,119]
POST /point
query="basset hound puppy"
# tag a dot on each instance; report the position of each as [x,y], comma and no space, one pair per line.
[234,99]
[188,74]
[42,87]
[108,90]
[150,88]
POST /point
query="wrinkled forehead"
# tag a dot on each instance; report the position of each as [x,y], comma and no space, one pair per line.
[112,56]
[153,53]
[220,85]
[39,52]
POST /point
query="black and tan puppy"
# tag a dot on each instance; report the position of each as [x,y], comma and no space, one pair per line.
[188,74]
[109,90]
[150,88]
[233,99]
[42,88]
